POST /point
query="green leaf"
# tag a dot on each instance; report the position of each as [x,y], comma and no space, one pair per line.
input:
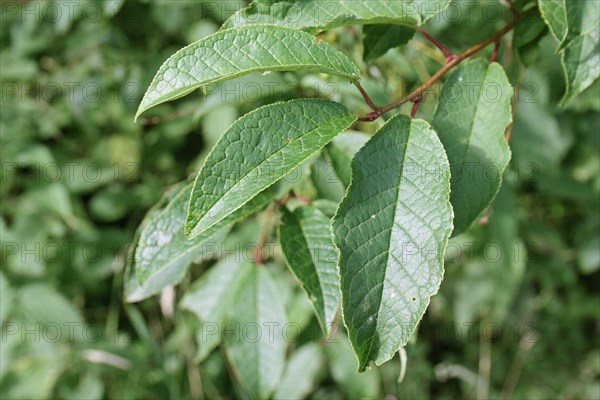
[6,297]
[255,345]
[327,207]
[43,304]
[471,119]
[527,37]
[300,375]
[392,229]
[163,249]
[588,255]
[574,25]
[305,237]
[501,266]
[429,8]
[537,141]
[232,53]
[508,266]
[342,150]
[35,367]
[208,338]
[317,15]
[162,246]
[164,254]
[325,181]
[257,150]
[581,63]
[582,18]
[342,364]
[209,298]
[381,38]
[554,13]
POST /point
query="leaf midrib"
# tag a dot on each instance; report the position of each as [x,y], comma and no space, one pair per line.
[286,67]
[472,120]
[321,289]
[147,275]
[397,196]
[286,144]
[409,20]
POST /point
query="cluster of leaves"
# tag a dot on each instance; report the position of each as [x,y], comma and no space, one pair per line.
[400,207]
[539,291]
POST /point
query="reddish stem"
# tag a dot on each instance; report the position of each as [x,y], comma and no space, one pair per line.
[366,96]
[457,59]
[169,117]
[513,9]
[302,200]
[416,104]
[449,55]
[268,219]
[258,260]
[495,53]
[264,233]
[372,116]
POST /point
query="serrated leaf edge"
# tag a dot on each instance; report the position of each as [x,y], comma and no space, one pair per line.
[192,232]
[325,325]
[362,367]
[355,77]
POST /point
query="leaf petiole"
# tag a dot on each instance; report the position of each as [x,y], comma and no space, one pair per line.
[457,59]
[447,53]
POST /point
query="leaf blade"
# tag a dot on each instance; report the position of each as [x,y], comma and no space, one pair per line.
[209,298]
[581,64]
[306,242]
[554,13]
[301,373]
[582,18]
[253,154]
[163,252]
[378,39]
[236,52]
[574,25]
[257,360]
[315,16]
[342,149]
[471,127]
[386,210]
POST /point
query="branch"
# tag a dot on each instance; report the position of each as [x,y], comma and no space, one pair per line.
[168,117]
[457,59]
[264,233]
[447,53]
[366,96]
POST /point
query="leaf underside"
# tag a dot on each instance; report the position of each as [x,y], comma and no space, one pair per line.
[163,250]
